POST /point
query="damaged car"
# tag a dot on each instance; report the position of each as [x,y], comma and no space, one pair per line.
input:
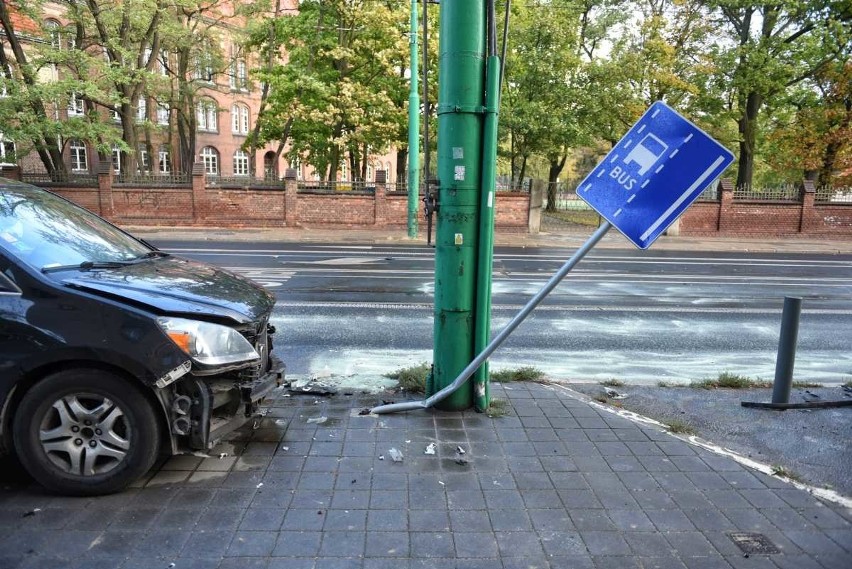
[113,352]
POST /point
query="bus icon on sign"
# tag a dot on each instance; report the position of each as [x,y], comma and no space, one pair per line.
[646,153]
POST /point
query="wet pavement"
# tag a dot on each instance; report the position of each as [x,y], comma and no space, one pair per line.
[556,482]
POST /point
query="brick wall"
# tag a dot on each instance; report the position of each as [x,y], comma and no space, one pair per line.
[200,204]
[750,218]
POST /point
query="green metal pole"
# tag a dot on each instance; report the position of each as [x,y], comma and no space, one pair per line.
[460,106]
[482,329]
[413,129]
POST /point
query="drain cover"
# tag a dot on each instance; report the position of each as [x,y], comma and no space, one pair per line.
[754,543]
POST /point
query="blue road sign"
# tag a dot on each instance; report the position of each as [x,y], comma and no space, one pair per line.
[653,174]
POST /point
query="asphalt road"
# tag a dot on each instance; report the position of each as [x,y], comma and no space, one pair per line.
[639,316]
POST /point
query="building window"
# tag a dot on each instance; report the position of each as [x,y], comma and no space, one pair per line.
[240,118]
[143,160]
[116,159]
[7,78]
[164,160]
[79,160]
[241,163]
[7,150]
[210,158]
[239,75]
[76,105]
[142,110]
[206,115]
[115,115]
[204,63]
[55,33]
[163,112]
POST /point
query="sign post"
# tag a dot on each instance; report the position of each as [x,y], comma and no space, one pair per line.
[653,174]
[647,180]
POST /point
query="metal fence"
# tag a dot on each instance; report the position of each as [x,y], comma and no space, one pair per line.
[832,195]
[80,179]
[782,193]
[232,182]
[153,180]
[342,187]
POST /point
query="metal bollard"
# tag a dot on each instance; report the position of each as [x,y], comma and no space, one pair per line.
[786,350]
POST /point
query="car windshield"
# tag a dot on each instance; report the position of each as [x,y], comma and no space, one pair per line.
[46,231]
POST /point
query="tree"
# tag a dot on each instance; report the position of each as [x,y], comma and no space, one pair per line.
[771,47]
[45,69]
[332,97]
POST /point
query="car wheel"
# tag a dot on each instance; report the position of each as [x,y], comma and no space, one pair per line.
[86,432]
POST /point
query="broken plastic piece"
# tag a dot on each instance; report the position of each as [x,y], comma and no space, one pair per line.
[317,420]
[222,455]
[395,455]
[460,450]
[430,449]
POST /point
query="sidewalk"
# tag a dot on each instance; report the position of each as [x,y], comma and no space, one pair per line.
[567,238]
[555,483]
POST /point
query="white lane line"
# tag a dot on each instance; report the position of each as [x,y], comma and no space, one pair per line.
[656,112]
[617,212]
[658,170]
[688,138]
[562,308]
[631,198]
[701,179]
[641,128]
[627,144]
[600,173]
[645,183]
[586,189]
[614,158]
[673,154]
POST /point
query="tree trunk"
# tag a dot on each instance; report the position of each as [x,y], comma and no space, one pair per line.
[521,174]
[748,132]
[556,166]
[401,161]
[832,149]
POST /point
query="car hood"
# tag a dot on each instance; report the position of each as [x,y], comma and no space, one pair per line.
[176,286]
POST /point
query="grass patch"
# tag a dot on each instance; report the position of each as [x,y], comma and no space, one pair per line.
[680,428]
[779,470]
[613,383]
[412,378]
[665,384]
[577,217]
[728,380]
[806,384]
[497,408]
[847,384]
[601,399]
[527,373]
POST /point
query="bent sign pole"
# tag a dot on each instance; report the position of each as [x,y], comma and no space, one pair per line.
[630,191]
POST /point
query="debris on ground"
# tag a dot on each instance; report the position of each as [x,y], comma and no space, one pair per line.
[395,455]
[613,394]
[32,512]
[312,387]
[381,457]
[461,459]
[223,455]
[317,420]
[430,449]
[365,411]
[285,449]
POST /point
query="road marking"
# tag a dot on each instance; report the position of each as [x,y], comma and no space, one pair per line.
[576,308]
[683,196]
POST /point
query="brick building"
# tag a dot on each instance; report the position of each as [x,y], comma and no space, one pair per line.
[226,99]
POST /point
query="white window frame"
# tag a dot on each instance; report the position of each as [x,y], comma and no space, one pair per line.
[76,105]
[79,156]
[7,150]
[206,113]
[164,160]
[142,162]
[116,159]
[241,163]
[164,111]
[210,158]
[239,118]
[142,109]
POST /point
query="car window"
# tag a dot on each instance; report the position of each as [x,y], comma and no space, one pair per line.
[44,230]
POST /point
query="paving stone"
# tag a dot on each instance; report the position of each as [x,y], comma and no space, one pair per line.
[470,520]
[429,520]
[630,520]
[432,545]
[387,520]
[297,544]
[466,500]
[475,545]
[605,543]
[661,563]
[615,562]
[343,544]
[690,544]
[585,519]
[510,520]
[646,544]
[387,544]
[348,520]
[252,544]
[558,544]
[552,519]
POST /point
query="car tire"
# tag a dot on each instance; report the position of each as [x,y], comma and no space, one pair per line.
[86,432]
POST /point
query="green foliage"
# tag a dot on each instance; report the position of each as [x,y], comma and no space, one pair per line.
[497,408]
[613,383]
[412,378]
[680,427]
[728,380]
[778,470]
[526,373]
